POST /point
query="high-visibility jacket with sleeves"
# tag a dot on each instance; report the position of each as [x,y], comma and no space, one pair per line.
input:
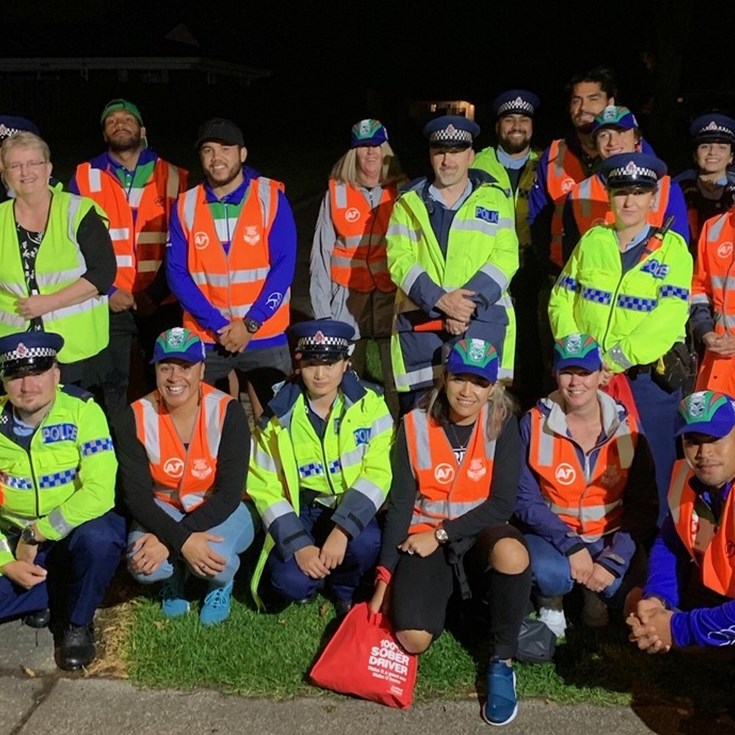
[182,477]
[349,470]
[487,160]
[359,259]
[637,316]
[590,203]
[232,281]
[587,496]
[717,563]
[713,285]
[139,241]
[85,327]
[66,478]
[563,172]
[482,240]
[445,488]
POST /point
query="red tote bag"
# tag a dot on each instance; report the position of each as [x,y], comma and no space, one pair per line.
[364,659]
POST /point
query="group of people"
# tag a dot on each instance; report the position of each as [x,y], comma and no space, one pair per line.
[562,279]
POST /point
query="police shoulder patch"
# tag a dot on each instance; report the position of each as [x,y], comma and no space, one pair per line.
[488,215]
[59,433]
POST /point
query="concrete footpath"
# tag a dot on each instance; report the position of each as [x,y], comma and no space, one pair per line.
[38,699]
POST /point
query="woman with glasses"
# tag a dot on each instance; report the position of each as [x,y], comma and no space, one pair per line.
[58,262]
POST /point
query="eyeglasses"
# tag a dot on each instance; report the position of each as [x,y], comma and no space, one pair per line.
[16,168]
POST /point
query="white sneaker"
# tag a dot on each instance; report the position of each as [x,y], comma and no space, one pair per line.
[594,611]
[554,620]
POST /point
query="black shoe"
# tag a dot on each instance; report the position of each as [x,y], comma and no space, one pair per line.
[342,607]
[75,648]
[39,619]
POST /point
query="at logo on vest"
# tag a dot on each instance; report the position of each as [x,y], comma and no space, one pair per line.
[201,240]
[362,436]
[488,215]
[352,214]
[201,469]
[251,235]
[565,474]
[477,470]
[656,269]
[724,250]
[174,467]
[59,433]
[444,473]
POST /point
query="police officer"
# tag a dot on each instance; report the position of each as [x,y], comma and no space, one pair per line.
[512,163]
[452,250]
[60,540]
[630,291]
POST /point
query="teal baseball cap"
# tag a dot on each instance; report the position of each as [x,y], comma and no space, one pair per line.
[178,343]
[706,412]
[476,357]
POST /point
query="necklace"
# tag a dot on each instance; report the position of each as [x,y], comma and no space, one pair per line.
[457,444]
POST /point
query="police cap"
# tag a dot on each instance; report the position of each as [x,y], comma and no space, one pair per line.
[451,131]
[322,338]
[24,353]
[632,169]
[516,102]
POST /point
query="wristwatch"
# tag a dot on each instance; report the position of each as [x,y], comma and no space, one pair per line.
[441,535]
[251,325]
[28,536]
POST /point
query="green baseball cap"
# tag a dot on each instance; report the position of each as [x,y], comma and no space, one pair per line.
[121,104]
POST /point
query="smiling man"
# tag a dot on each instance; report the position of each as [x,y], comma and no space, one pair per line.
[452,250]
[231,260]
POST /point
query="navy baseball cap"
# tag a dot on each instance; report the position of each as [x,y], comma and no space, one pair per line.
[516,102]
[368,132]
[327,339]
[632,169]
[706,412]
[577,350]
[713,128]
[178,343]
[451,131]
[24,353]
[476,357]
[219,130]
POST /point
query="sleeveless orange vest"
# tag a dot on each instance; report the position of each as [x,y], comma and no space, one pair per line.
[446,490]
[139,245]
[181,477]
[716,564]
[358,260]
[588,499]
[232,282]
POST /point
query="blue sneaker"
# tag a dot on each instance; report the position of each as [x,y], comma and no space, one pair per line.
[216,607]
[502,703]
[173,602]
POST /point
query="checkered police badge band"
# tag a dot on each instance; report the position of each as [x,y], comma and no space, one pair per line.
[631,170]
[6,132]
[21,352]
[713,127]
[320,341]
[518,104]
[450,134]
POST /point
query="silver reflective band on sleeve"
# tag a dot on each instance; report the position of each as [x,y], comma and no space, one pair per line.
[396,229]
[381,424]
[4,546]
[496,274]
[59,524]
[414,272]
[12,319]
[264,460]
[371,491]
[355,457]
[418,377]
[277,510]
[619,356]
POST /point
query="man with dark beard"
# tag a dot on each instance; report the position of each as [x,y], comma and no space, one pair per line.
[513,164]
[230,261]
[137,189]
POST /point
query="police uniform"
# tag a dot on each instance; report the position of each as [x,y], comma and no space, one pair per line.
[433,250]
[634,303]
[308,474]
[57,482]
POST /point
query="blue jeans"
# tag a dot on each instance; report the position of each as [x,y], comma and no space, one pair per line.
[362,552]
[237,534]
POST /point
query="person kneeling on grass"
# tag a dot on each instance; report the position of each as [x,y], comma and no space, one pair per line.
[689,597]
[320,471]
[587,500]
[447,520]
[183,454]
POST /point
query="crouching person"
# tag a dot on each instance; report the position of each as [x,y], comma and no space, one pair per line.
[689,597]
[183,451]
[60,540]
[320,471]
[587,499]
[456,466]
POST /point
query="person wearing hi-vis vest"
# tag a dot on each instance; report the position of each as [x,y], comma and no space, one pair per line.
[60,539]
[350,281]
[183,451]
[452,251]
[587,499]
[688,599]
[456,465]
[627,284]
[615,130]
[57,263]
[320,471]
[230,261]
[137,190]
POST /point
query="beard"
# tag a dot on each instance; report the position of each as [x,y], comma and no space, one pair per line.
[122,144]
[228,178]
[513,147]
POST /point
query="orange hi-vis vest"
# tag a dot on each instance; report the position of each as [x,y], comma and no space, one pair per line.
[139,242]
[591,204]
[446,489]
[181,477]
[589,499]
[564,171]
[717,563]
[232,281]
[359,261]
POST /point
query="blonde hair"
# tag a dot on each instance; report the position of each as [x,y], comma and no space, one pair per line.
[345,170]
[24,139]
